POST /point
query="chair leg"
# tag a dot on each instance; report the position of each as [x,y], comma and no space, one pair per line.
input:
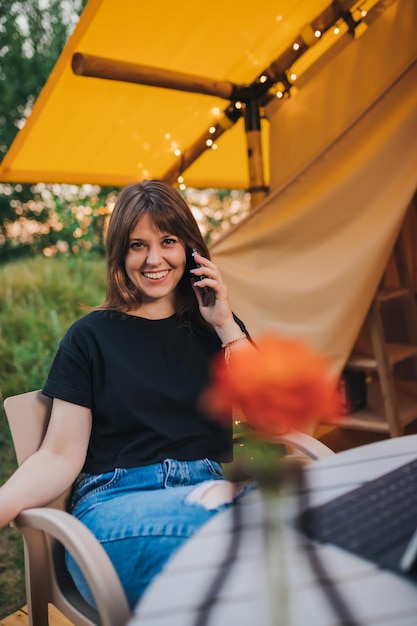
[37,587]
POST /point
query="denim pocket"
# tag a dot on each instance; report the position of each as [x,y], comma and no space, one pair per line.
[88,487]
[214,468]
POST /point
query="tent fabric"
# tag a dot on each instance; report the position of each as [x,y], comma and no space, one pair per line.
[90,130]
[327,106]
[308,261]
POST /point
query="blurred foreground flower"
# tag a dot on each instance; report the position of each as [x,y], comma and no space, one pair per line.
[278,386]
[281,385]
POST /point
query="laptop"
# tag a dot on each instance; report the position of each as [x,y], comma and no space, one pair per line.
[377,521]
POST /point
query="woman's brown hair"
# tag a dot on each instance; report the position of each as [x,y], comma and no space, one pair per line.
[171,214]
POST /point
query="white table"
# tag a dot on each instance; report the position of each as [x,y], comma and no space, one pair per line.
[373,596]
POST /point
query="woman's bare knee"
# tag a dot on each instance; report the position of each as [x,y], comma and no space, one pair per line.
[213,494]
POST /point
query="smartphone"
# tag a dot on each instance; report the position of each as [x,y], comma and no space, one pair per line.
[208,296]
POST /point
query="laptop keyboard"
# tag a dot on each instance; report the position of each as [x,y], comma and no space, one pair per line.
[377,520]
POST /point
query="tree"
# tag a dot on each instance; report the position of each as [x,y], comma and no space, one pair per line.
[32,36]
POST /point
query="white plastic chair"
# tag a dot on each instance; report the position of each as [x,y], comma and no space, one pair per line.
[48,530]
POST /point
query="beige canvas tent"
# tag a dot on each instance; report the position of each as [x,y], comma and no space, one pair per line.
[307,261]
[339,155]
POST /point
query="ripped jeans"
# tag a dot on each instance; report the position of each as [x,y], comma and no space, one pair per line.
[141,516]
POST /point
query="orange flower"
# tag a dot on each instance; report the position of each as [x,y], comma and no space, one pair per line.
[281,385]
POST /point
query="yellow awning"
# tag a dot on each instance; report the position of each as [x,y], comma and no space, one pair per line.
[107,132]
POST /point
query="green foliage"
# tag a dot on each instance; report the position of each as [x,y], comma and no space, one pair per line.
[217,210]
[58,219]
[74,218]
[12,584]
[41,297]
[32,36]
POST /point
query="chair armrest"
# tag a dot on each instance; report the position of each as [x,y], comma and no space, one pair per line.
[108,593]
[306,444]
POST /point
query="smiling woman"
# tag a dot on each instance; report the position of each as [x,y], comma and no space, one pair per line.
[126,426]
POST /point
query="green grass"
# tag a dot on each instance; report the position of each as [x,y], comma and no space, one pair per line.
[39,299]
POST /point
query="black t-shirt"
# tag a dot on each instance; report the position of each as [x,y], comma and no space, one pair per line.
[142,380]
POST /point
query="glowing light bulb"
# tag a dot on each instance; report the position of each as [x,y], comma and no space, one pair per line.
[293,77]
[263,78]
[209,143]
[180,179]
[296,46]
[280,94]
[317,34]
[336,30]
[212,130]
[238,105]
[177,152]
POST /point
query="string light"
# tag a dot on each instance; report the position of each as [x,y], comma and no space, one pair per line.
[283,88]
[350,20]
[308,35]
[354,20]
[359,14]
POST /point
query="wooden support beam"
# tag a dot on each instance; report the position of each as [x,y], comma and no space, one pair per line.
[253,96]
[257,187]
[229,118]
[111,69]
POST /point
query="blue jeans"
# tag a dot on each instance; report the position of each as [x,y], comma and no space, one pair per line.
[141,516]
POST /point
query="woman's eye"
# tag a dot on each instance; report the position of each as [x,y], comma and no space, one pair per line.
[169,241]
[136,245]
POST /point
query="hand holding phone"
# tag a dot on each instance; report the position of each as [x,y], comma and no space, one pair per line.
[208,296]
